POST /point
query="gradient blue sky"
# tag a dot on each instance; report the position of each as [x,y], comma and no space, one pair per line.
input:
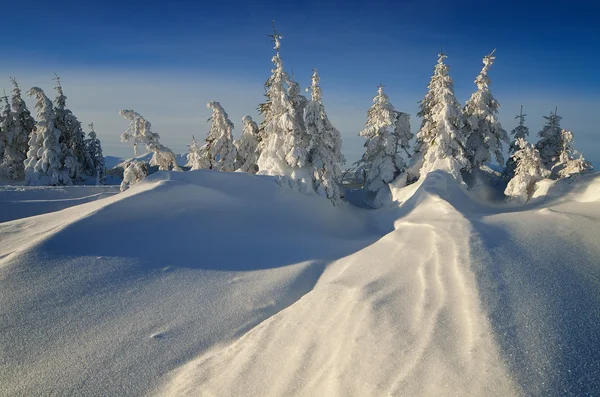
[166,59]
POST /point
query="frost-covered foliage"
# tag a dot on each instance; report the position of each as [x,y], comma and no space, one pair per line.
[219,147]
[550,143]
[140,132]
[403,137]
[72,138]
[17,135]
[481,125]
[285,143]
[378,163]
[43,164]
[440,142]
[6,128]
[94,149]
[247,147]
[570,161]
[326,151]
[134,172]
[198,157]
[529,170]
[520,131]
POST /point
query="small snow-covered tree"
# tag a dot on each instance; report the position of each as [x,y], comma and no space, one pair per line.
[219,148]
[15,153]
[284,142]
[94,149]
[134,172]
[550,143]
[247,147]
[198,157]
[528,172]
[570,161]
[520,131]
[326,151]
[140,131]
[440,141]
[379,160]
[72,137]
[481,125]
[403,137]
[43,164]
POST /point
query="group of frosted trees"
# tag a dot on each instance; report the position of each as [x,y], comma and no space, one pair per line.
[297,142]
[50,151]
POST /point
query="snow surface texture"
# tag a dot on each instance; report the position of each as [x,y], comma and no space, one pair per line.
[252,289]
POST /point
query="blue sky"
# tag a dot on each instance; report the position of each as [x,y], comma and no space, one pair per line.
[166,59]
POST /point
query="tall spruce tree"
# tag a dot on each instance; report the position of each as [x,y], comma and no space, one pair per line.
[23,125]
[284,143]
[43,165]
[219,148]
[481,125]
[94,150]
[326,152]
[378,163]
[520,131]
[440,141]
[550,143]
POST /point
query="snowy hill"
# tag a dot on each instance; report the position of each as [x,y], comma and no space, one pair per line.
[226,284]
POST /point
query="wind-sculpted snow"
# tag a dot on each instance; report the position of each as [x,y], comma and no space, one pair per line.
[226,284]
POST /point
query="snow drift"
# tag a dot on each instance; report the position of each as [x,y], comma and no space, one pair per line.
[226,284]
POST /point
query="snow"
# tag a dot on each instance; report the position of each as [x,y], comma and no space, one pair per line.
[226,284]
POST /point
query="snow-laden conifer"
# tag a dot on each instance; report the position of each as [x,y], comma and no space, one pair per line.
[550,143]
[134,172]
[481,125]
[528,172]
[326,151]
[15,153]
[285,145]
[43,164]
[247,147]
[198,157]
[140,132]
[6,131]
[378,163]
[520,131]
[570,161]
[403,137]
[74,154]
[94,149]
[219,147]
[440,141]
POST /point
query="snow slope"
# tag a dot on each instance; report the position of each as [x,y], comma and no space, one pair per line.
[225,284]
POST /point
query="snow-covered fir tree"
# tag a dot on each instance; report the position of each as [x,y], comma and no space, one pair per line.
[6,131]
[285,145]
[550,143]
[570,161]
[440,141]
[326,151]
[43,164]
[74,154]
[378,163]
[247,147]
[520,131]
[219,148]
[140,131]
[198,157]
[481,125]
[528,172]
[94,149]
[15,153]
[134,172]
[403,137]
